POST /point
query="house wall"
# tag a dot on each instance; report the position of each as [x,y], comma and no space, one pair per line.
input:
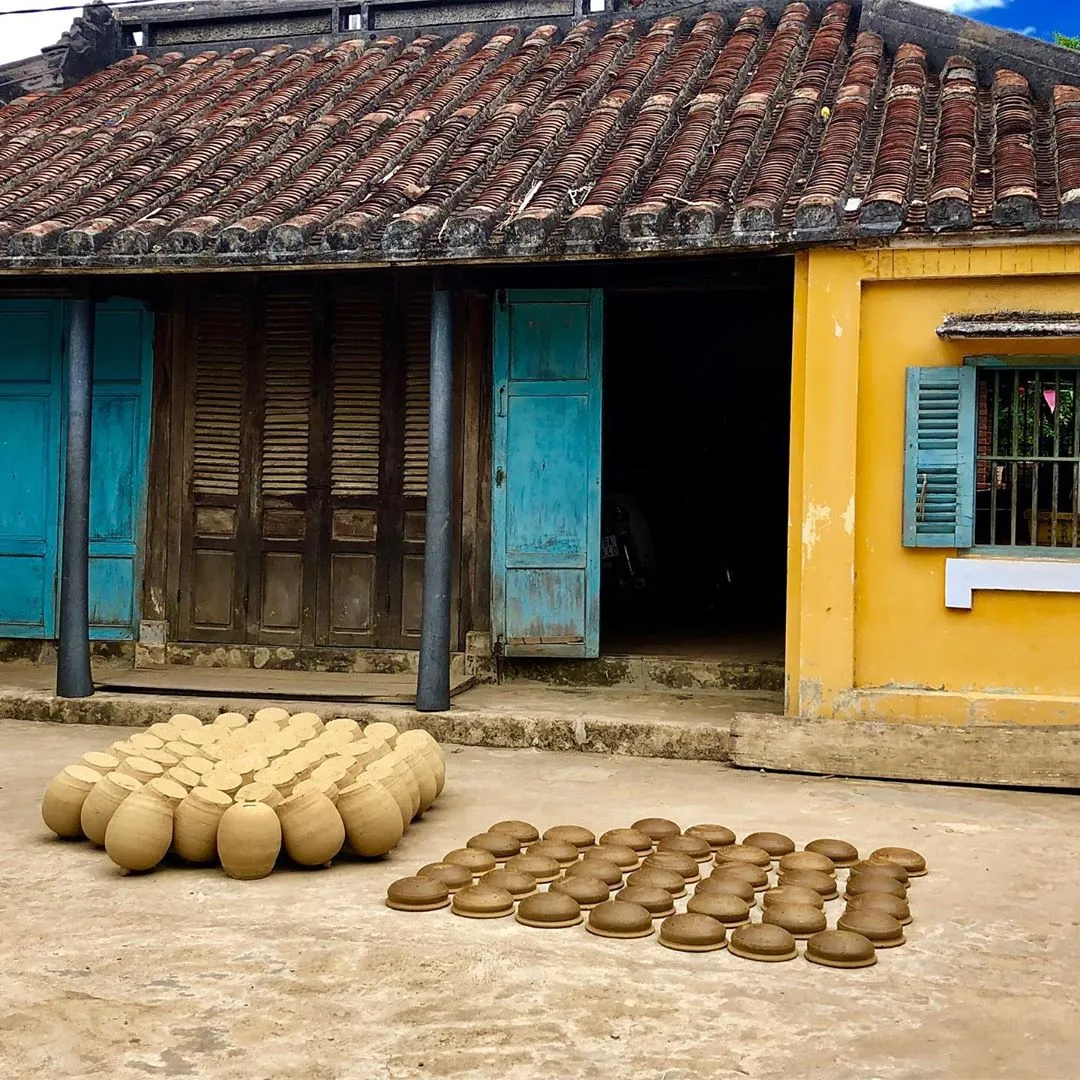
[868,635]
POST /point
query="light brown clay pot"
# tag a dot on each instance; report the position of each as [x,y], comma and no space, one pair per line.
[231,721]
[307,719]
[272,713]
[562,851]
[198,765]
[123,748]
[879,883]
[671,880]
[811,879]
[168,789]
[910,860]
[799,920]
[259,792]
[62,803]
[101,803]
[417,894]
[199,737]
[763,942]
[610,874]
[371,817]
[165,732]
[716,836]
[100,762]
[776,844]
[365,751]
[587,891]
[141,768]
[697,848]
[793,894]
[549,911]
[184,722]
[692,932]
[414,758]
[387,733]
[179,749]
[540,867]
[395,761]
[482,902]
[658,902]
[522,831]
[840,949]
[877,926]
[631,838]
[224,780]
[453,876]
[184,776]
[335,769]
[479,862]
[502,845]
[342,723]
[619,919]
[882,866]
[311,829]
[674,860]
[840,852]
[807,860]
[432,752]
[756,876]
[727,885]
[162,757]
[140,832]
[656,828]
[248,840]
[195,824]
[743,853]
[517,884]
[383,773]
[145,741]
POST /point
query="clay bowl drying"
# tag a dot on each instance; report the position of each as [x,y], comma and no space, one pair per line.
[549,911]
[670,880]
[694,846]
[538,866]
[812,879]
[656,828]
[587,891]
[716,836]
[479,862]
[879,883]
[501,845]
[760,941]
[562,851]
[727,885]
[483,902]
[692,932]
[417,894]
[577,835]
[878,927]
[839,852]
[522,831]
[793,894]
[891,905]
[807,860]
[624,857]
[618,919]
[728,909]
[776,844]
[631,838]
[882,866]
[607,872]
[799,920]
[755,856]
[674,860]
[517,884]
[910,860]
[755,875]
[453,875]
[840,949]
[657,902]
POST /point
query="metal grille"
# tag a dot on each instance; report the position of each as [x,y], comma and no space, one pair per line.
[1027,479]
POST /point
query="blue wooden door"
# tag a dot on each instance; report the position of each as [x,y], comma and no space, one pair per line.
[546,461]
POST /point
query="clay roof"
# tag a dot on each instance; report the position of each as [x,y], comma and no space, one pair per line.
[698,131]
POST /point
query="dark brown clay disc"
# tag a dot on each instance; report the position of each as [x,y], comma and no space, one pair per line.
[799,920]
[417,894]
[501,845]
[760,941]
[673,882]
[812,879]
[910,860]
[694,846]
[793,894]
[716,836]
[479,862]
[517,884]
[656,827]
[453,875]
[757,876]
[658,902]
[891,905]
[776,844]
[522,831]
[727,885]
[562,851]
[880,883]
[743,853]
[728,909]
[692,932]
[807,860]
[539,866]
[839,852]
[587,891]
[549,911]
[622,856]
[882,866]
[882,929]
[674,860]
[483,902]
[631,838]
[618,919]
[840,949]
[607,872]
[577,835]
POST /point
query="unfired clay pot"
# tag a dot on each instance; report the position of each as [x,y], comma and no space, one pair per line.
[249,840]
[665,878]
[730,910]
[145,741]
[339,723]
[891,905]
[882,866]
[62,803]
[143,769]
[694,846]
[840,949]
[562,851]
[631,838]
[811,879]
[272,713]
[692,932]
[224,780]
[432,751]
[878,926]
[168,789]
[549,911]
[674,860]
[311,829]
[384,774]
[716,836]
[183,776]
[517,884]
[197,764]
[522,831]
[793,894]
[879,883]
[452,875]
[755,876]
[656,827]
[799,920]
[839,851]
[195,824]
[807,860]
[414,758]
[123,748]
[743,853]
[231,721]
[387,733]
[501,845]
[540,867]
[162,757]
[140,832]
[102,802]
[610,874]
[371,817]
[776,844]
[307,719]
[184,722]
[100,762]
[727,885]
[397,763]
[165,732]
[761,941]
[658,902]
[479,862]
[577,835]
[483,902]
[618,919]
[715,905]
[587,891]
[417,894]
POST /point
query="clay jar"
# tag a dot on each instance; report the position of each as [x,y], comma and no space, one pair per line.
[397,762]
[272,713]
[184,722]
[840,949]
[776,844]
[413,756]
[102,802]
[694,846]
[521,831]
[231,721]
[501,845]
[799,920]
[62,803]
[656,828]
[264,793]
[371,817]
[433,754]
[195,824]
[99,762]
[743,853]
[386,733]
[692,932]
[549,911]
[384,774]
[248,840]
[311,828]
[716,836]
[140,831]
[143,769]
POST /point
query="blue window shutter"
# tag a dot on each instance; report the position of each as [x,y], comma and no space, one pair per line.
[939,459]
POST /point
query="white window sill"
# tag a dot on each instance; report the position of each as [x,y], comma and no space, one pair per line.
[963,577]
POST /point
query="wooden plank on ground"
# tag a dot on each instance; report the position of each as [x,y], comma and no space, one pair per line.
[974,754]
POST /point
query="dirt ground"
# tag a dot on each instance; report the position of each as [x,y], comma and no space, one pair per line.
[184,972]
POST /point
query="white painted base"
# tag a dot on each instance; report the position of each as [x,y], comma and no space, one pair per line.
[964,576]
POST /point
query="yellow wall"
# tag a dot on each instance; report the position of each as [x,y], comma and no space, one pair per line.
[868,632]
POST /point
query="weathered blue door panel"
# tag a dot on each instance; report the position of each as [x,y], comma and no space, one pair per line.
[546,460]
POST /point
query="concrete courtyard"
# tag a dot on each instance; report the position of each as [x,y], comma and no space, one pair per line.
[186,973]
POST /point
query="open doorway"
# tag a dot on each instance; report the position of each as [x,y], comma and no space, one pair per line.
[695,471]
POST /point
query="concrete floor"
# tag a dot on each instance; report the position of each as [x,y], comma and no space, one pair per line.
[185,972]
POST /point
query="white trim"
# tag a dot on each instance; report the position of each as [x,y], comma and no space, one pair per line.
[964,576]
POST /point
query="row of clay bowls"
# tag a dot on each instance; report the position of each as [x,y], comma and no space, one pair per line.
[499,873]
[238,791]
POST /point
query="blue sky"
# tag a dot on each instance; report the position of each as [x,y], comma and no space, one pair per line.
[1037,17]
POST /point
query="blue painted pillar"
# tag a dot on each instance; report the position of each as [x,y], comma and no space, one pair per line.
[73,663]
[433,682]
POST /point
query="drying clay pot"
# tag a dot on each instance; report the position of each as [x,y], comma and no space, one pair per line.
[479,862]
[776,844]
[618,919]
[626,858]
[692,932]
[840,949]
[162,757]
[656,828]
[840,852]
[224,780]
[483,902]
[62,803]
[145,741]
[910,860]
[385,775]
[382,732]
[311,829]
[667,879]
[756,876]
[195,824]
[882,866]
[694,846]
[631,838]
[577,835]
[165,732]
[812,879]
[396,762]
[231,721]
[101,763]
[310,720]
[587,891]
[799,920]
[259,792]
[198,737]
[502,845]
[363,752]
[610,874]
[319,784]
[102,802]
[727,885]
[730,910]
[807,860]
[517,884]
[656,901]
[562,851]
[879,883]
[123,748]
[183,776]
[743,853]
[549,911]
[452,875]
[140,832]
[339,723]
[432,753]
[417,894]
[793,894]
[198,765]
[249,840]
[272,713]
[877,926]
[414,758]
[184,722]
[762,941]
[541,867]
[371,817]
[143,769]
[521,831]
[674,860]
[891,905]
[168,789]
[716,836]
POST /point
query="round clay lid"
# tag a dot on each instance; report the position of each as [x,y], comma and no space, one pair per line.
[538,866]
[656,827]
[577,835]
[417,894]
[692,932]
[501,845]
[587,891]
[731,910]
[656,901]
[549,910]
[479,862]
[756,875]
[840,852]
[562,851]
[482,902]
[762,941]
[882,866]
[619,919]
[743,853]
[812,879]
[807,860]
[624,857]
[673,882]
[716,836]
[799,920]
[840,949]
[793,894]
[876,901]
[880,927]
[516,883]
[910,860]
[882,883]
[453,875]
[521,830]
[607,872]
[776,844]
[674,860]
[631,838]
[727,885]
[694,846]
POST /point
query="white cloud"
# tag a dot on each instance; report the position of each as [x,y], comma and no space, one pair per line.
[965,7]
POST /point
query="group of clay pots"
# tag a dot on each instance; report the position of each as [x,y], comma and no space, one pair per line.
[238,791]
[500,873]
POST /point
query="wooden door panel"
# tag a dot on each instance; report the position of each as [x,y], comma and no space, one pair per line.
[352,588]
[212,590]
